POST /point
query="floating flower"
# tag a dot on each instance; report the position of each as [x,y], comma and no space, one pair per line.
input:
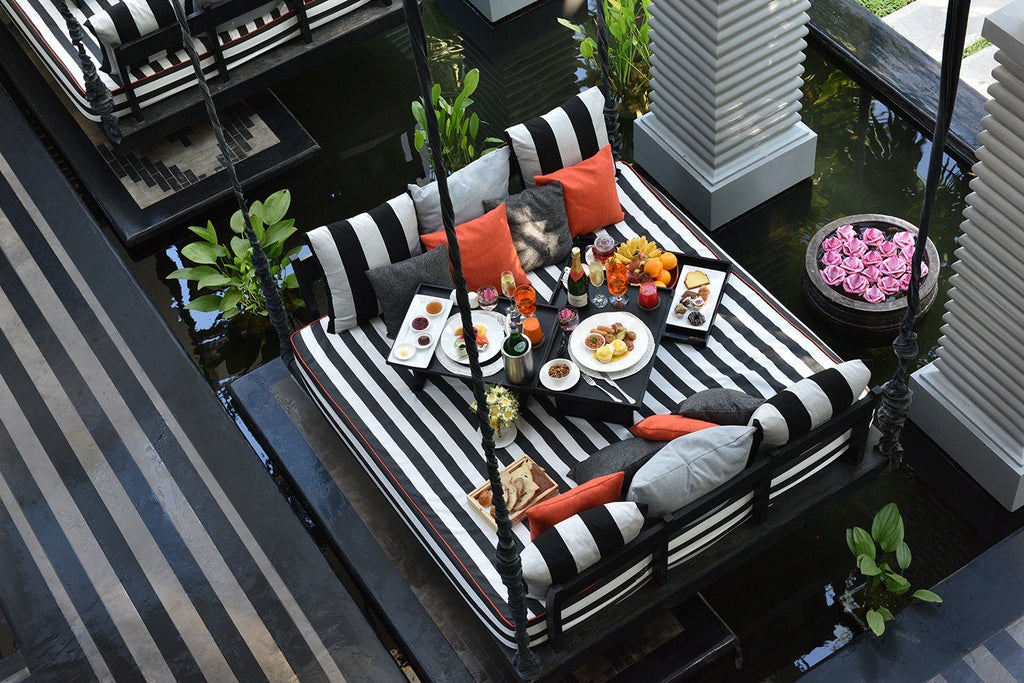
[833,275]
[871,258]
[855,284]
[832,258]
[907,253]
[832,244]
[888,284]
[846,232]
[904,281]
[874,295]
[887,249]
[904,239]
[854,247]
[894,266]
[852,264]
[873,237]
[924,269]
[872,273]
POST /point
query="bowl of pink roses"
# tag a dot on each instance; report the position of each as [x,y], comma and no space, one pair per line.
[858,268]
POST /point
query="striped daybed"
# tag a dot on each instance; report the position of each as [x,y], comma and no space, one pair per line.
[423,451]
[168,72]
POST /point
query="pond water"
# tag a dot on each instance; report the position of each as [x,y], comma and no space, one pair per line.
[869,159]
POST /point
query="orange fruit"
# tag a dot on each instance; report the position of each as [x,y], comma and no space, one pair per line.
[669,260]
[653,267]
[664,277]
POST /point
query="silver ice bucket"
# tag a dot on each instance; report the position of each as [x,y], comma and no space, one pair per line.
[519,369]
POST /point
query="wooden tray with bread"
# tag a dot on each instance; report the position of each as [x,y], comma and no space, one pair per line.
[525,484]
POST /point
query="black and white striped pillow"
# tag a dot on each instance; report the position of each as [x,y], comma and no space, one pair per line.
[127,20]
[347,249]
[811,402]
[563,137]
[572,545]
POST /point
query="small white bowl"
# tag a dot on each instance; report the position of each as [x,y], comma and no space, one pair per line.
[566,382]
[433,315]
[474,300]
[404,351]
[429,339]
[419,330]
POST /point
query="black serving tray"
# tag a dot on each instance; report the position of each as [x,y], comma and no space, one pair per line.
[676,327]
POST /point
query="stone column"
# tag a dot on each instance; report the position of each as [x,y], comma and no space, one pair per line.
[724,131]
[971,399]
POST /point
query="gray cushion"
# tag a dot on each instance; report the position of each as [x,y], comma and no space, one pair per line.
[628,456]
[396,283]
[721,406]
[539,225]
[485,178]
[689,467]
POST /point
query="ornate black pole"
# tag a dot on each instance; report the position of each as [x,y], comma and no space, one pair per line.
[507,556]
[96,92]
[271,293]
[611,99]
[896,394]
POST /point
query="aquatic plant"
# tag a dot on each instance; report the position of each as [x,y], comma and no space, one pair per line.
[629,51]
[459,128]
[226,270]
[882,557]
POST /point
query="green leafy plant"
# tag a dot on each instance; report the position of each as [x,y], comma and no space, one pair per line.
[459,128]
[882,557]
[226,271]
[629,51]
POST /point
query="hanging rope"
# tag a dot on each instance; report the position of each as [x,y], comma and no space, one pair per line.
[96,92]
[896,394]
[611,100]
[271,292]
[507,560]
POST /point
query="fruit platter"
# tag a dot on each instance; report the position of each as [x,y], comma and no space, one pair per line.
[647,262]
[609,342]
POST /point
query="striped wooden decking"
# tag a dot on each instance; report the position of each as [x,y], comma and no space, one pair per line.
[141,538]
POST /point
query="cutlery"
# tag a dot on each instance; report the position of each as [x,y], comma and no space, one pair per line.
[608,379]
[590,380]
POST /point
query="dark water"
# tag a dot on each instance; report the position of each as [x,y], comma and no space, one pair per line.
[868,160]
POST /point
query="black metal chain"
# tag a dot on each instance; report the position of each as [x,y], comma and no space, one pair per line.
[97,94]
[611,106]
[271,292]
[896,394]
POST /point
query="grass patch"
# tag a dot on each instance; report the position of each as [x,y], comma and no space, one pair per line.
[977,46]
[880,8]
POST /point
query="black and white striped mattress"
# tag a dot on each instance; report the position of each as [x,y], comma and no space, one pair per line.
[168,72]
[423,452]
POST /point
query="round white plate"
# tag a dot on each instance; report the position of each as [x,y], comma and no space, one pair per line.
[567,382]
[585,357]
[495,336]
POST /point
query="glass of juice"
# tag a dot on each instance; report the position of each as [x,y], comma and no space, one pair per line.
[525,298]
[648,299]
[617,275]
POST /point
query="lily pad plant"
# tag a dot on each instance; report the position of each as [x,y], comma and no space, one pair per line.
[225,270]
[882,557]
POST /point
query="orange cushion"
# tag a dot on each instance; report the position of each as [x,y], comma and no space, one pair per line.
[591,197]
[667,427]
[487,249]
[543,516]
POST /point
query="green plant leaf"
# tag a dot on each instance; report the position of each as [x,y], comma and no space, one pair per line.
[290,281]
[887,528]
[867,566]
[237,222]
[875,622]
[230,313]
[863,544]
[194,273]
[276,206]
[849,542]
[903,556]
[886,614]
[279,232]
[927,596]
[204,304]
[215,280]
[418,139]
[256,210]
[895,583]
[208,233]
[239,246]
[435,94]
[201,252]
[230,300]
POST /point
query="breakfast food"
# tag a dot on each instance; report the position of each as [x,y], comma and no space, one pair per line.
[460,347]
[610,342]
[404,351]
[419,323]
[482,342]
[696,279]
[594,341]
[646,262]
[519,487]
[423,341]
[619,348]
[559,371]
[434,307]
[696,318]
[604,354]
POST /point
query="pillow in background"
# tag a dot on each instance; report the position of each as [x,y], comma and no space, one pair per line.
[667,427]
[548,513]
[539,225]
[396,283]
[591,195]
[626,456]
[485,178]
[486,248]
[721,406]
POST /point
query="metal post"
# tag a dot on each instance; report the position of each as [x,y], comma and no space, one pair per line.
[96,92]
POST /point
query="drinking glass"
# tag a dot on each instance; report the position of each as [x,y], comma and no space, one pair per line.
[525,298]
[597,299]
[618,282]
[604,247]
[508,286]
[488,297]
[568,320]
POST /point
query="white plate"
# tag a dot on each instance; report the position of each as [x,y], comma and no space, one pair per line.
[717,278]
[495,336]
[567,382]
[585,357]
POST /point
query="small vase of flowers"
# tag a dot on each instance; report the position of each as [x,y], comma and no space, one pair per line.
[502,413]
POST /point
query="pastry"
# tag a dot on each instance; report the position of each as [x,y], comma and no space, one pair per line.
[696,318]
[605,353]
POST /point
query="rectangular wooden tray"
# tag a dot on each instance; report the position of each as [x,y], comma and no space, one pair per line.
[548,489]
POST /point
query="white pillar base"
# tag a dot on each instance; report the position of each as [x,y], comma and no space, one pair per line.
[965,433]
[714,199]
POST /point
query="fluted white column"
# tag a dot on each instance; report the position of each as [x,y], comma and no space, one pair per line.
[971,399]
[724,131]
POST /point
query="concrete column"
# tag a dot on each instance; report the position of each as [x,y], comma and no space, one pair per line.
[971,399]
[724,131]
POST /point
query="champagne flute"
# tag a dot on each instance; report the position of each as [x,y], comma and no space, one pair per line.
[508,285]
[618,283]
[597,299]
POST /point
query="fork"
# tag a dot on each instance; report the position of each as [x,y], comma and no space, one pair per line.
[607,378]
[590,380]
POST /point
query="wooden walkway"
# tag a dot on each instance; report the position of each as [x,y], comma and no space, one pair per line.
[141,536]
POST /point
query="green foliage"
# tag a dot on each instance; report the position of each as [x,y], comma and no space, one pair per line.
[629,50]
[881,8]
[226,271]
[882,557]
[975,47]
[458,128]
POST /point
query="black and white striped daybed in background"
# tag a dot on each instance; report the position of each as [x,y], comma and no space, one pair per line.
[167,73]
[423,452]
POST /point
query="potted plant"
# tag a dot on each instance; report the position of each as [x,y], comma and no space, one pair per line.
[502,411]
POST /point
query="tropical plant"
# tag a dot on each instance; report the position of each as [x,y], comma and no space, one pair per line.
[226,270]
[458,127]
[882,557]
[629,50]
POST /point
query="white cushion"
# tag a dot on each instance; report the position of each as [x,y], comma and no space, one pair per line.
[485,178]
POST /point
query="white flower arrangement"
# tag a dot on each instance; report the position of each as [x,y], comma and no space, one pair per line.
[503,408]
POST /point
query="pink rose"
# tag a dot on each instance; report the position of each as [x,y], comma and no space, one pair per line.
[831,258]
[889,285]
[832,244]
[854,247]
[886,249]
[833,275]
[874,295]
[907,253]
[894,266]
[852,264]
[846,232]
[855,284]
[871,258]
[873,237]
[904,281]
[924,269]
[872,273]
[904,239]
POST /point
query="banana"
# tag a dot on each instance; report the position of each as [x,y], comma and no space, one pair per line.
[634,247]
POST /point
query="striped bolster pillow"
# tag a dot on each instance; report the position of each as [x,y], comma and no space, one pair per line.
[572,545]
[127,20]
[563,137]
[811,402]
[347,249]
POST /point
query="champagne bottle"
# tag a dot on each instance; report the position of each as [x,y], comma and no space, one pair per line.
[517,343]
[578,285]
